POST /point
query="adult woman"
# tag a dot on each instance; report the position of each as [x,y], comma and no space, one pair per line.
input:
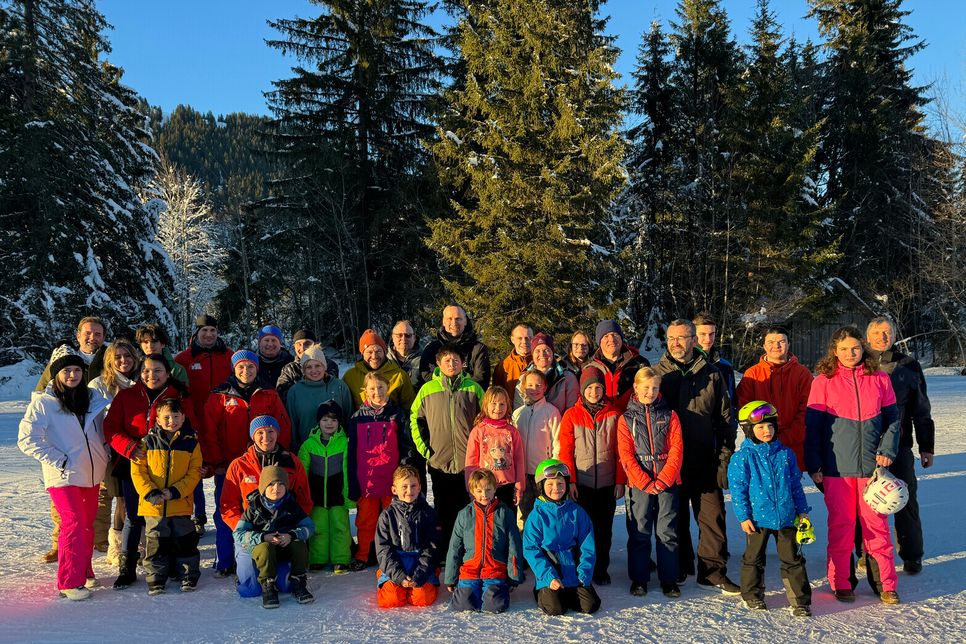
[851,427]
[62,430]
[581,352]
[122,366]
[131,416]
[315,388]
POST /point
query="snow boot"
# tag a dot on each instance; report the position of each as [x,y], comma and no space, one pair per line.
[113,557]
[300,591]
[638,590]
[50,556]
[269,594]
[127,571]
[76,594]
[802,611]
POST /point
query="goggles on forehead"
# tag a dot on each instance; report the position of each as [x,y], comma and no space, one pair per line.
[758,411]
[556,471]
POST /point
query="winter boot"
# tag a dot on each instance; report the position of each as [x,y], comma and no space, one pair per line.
[127,571]
[300,591]
[155,588]
[269,594]
[50,556]
[76,594]
[113,547]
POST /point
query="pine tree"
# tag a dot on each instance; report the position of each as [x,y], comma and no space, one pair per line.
[531,154]
[72,163]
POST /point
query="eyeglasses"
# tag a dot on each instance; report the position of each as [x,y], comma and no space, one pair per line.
[678,338]
[556,471]
[579,345]
[757,414]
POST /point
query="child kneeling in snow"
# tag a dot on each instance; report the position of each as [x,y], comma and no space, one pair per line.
[483,559]
[407,545]
[558,543]
[274,527]
[767,495]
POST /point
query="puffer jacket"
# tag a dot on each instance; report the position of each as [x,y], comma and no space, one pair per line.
[475,354]
[496,445]
[287,518]
[241,480]
[133,413]
[786,386]
[766,485]
[172,462]
[303,401]
[400,389]
[563,388]
[328,467]
[588,445]
[852,417]
[619,374]
[378,443]
[649,439]
[558,543]
[228,416]
[485,545]
[539,427]
[441,420]
[71,452]
[206,369]
[407,543]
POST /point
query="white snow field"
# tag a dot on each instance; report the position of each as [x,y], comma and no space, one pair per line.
[933,608]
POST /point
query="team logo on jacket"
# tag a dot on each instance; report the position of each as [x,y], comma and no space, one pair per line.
[196,366]
[250,479]
[231,403]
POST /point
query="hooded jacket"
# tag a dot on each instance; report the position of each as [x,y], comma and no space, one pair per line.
[539,427]
[442,417]
[786,386]
[558,543]
[496,445]
[303,400]
[206,369]
[485,544]
[378,443]
[475,354]
[287,518]
[133,414]
[400,389]
[71,451]
[619,374]
[651,445]
[241,480]
[328,467]
[588,445]
[172,462]
[851,418]
[766,485]
[407,543]
[228,416]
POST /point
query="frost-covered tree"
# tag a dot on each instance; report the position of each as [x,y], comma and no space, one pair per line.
[73,157]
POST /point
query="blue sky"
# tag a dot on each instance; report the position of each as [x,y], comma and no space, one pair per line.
[211,54]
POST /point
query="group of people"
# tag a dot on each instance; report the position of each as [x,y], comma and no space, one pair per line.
[526,462]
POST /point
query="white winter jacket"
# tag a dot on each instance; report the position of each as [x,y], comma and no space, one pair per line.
[68,453]
[539,427]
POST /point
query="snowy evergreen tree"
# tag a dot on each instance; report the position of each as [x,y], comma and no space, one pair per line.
[530,151]
[72,162]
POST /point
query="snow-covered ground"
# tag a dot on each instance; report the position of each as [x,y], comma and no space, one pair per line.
[933,608]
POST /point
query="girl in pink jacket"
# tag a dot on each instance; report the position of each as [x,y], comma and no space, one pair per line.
[495,444]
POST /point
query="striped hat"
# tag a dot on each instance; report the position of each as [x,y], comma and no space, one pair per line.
[242,355]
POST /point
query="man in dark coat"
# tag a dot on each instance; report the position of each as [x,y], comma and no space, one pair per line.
[457,329]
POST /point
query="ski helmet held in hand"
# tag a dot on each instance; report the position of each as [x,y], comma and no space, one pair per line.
[884,493]
[804,531]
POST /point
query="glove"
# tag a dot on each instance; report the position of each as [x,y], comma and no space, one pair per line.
[724,460]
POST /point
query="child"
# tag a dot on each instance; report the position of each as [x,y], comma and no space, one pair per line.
[441,419]
[539,425]
[651,448]
[483,558]
[274,527]
[407,545]
[767,494]
[558,543]
[165,480]
[588,445]
[325,457]
[495,444]
[378,443]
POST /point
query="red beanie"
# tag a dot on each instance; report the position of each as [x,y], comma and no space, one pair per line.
[369,338]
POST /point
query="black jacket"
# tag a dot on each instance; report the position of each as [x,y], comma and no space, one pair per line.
[909,383]
[475,354]
[407,541]
[269,371]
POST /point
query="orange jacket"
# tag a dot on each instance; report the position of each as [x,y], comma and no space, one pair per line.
[508,372]
[227,419]
[786,386]
[651,445]
[241,479]
[588,445]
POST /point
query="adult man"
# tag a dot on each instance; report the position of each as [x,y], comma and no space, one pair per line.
[457,329]
[292,372]
[706,332]
[696,390]
[617,360]
[152,338]
[782,380]
[90,336]
[405,350]
[507,373]
[272,356]
[909,384]
[373,350]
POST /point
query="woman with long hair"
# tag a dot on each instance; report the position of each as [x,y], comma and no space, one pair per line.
[852,427]
[62,430]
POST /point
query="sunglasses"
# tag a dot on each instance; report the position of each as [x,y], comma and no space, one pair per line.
[759,413]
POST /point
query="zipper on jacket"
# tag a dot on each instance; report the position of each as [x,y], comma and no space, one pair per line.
[90,454]
[858,408]
[167,474]
[594,419]
[483,539]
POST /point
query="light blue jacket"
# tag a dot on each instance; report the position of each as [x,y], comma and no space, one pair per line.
[558,543]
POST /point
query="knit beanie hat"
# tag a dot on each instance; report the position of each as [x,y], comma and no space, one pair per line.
[270,329]
[541,338]
[65,356]
[242,355]
[262,421]
[315,352]
[369,338]
[330,407]
[270,474]
[304,334]
[205,320]
[591,376]
[607,326]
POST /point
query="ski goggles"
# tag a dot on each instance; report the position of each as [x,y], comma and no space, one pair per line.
[556,471]
[757,413]
[806,533]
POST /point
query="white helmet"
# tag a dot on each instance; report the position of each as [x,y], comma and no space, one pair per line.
[884,493]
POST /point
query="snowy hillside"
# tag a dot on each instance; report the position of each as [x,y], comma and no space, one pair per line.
[933,609]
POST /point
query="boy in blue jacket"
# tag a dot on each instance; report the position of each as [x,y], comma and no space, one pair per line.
[767,495]
[558,543]
[483,561]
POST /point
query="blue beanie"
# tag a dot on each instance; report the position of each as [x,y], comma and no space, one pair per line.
[270,329]
[607,326]
[242,355]
[262,421]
